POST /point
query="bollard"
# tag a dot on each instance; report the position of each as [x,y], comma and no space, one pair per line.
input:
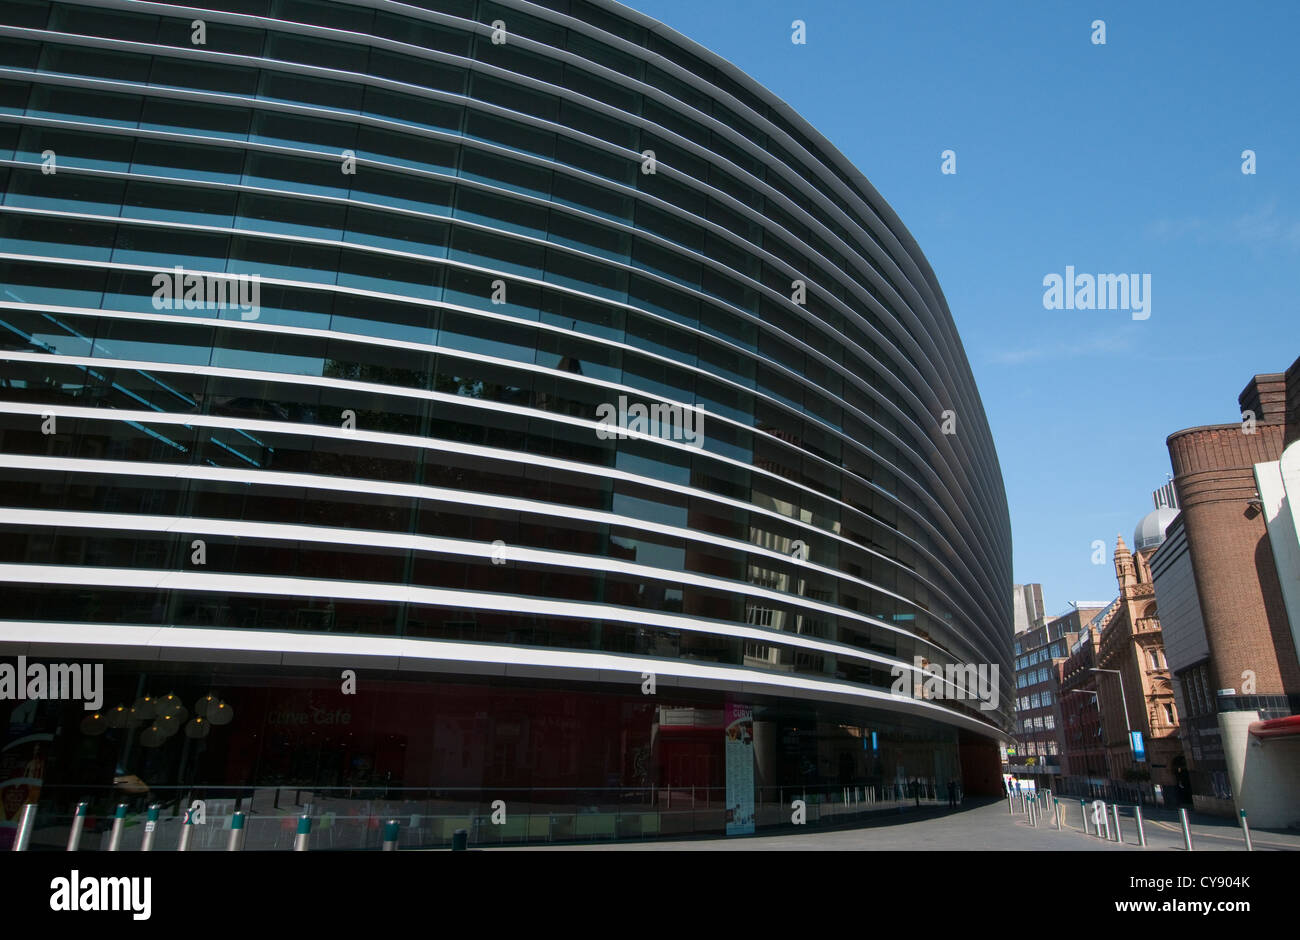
[187,830]
[1245,831]
[390,835]
[1118,836]
[1011,805]
[1142,836]
[150,829]
[460,840]
[119,822]
[304,831]
[25,826]
[1187,831]
[78,826]
[1099,818]
[1056,812]
[237,833]
[1083,811]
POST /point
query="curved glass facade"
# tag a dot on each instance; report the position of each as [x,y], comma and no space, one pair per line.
[487,339]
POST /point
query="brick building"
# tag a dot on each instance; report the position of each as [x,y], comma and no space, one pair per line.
[1235,664]
[1137,694]
[1084,767]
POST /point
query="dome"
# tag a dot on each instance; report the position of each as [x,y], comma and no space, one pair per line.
[1151,530]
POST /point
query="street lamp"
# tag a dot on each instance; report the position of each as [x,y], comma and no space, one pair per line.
[1124,699]
[1087,751]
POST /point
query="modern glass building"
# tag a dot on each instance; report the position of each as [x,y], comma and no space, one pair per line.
[476,400]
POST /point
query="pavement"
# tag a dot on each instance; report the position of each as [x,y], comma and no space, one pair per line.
[979,826]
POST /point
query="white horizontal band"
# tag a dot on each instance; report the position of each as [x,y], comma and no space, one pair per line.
[202,581]
[446,656]
[916,488]
[329,535]
[436,494]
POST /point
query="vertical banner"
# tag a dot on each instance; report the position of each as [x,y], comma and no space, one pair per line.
[739,744]
[1139,749]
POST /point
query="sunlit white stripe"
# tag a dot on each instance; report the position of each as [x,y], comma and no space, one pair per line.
[317,381]
[466,402]
[430,444]
[329,535]
[267,585]
[956,469]
[963,534]
[437,494]
[445,656]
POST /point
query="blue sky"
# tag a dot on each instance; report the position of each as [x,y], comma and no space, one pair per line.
[1115,158]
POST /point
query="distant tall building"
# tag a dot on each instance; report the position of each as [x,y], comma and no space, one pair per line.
[1040,652]
[1166,497]
[1028,601]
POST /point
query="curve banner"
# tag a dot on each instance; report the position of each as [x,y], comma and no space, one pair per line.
[739,744]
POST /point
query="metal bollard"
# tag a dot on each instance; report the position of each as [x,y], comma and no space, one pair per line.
[119,822]
[1011,805]
[78,826]
[1083,811]
[187,830]
[1056,812]
[1137,815]
[304,832]
[390,835]
[1187,831]
[1245,831]
[237,833]
[25,826]
[1118,836]
[150,829]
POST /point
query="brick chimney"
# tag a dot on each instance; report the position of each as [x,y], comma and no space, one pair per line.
[1293,403]
[1265,395]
